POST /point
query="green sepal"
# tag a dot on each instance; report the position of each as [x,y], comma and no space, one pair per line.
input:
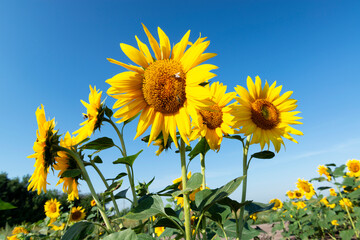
[129,160]
[97,159]
[72,173]
[108,112]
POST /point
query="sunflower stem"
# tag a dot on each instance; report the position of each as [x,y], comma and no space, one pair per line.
[107,186]
[348,213]
[129,172]
[243,195]
[202,162]
[185,195]
[88,181]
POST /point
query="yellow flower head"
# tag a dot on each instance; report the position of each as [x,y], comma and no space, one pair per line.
[179,201]
[299,204]
[165,89]
[324,170]
[18,230]
[353,167]
[44,154]
[290,194]
[57,228]
[65,162]
[298,194]
[93,116]
[326,203]
[278,203]
[212,124]
[306,188]
[346,203]
[253,217]
[77,214]
[179,180]
[93,203]
[335,223]
[159,231]
[13,237]
[52,208]
[266,114]
[332,192]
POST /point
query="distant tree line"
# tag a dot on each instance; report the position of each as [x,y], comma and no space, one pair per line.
[30,205]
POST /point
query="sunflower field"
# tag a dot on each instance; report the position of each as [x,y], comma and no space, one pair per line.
[169,93]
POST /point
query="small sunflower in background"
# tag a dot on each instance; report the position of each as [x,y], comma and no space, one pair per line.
[323,170]
[353,167]
[212,124]
[277,203]
[332,192]
[77,214]
[65,162]
[52,208]
[266,114]
[306,188]
[299,205]
[298,194]
[93,203]
[46,139]
[93,116]
[159,230]
[345,202]
[290,194]
[163,88]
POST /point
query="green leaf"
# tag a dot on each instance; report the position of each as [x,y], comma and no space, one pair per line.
[347,234]
[201,147]
[167,191]
[330,165]
[72,173]
[97,159]
[237,137]
[205,198]
[339,171]
[193,183]
[165,222]
[6,205]
[144,236]
[319,179]
[79,231]
[108,112]
[233,204]
[323,188]
[115,185]
[129,160]
[355,194]
[121,194]
[130,119]
[263,155]
[258,207]
[120,175]
[348,181]
[127,234]
[99,144]
[148,206]
[218,213]
[230,229]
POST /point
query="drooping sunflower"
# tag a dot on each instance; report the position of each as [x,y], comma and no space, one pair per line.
[324,170]
[93,116]
[18,230]
[165,89]
[277,203]
[65,162]
[52,208]
[266,114]
[44,153]
[306,188]
[353,167]
[77,214]
[214,123]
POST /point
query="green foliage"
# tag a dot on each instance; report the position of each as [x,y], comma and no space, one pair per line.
[79,231]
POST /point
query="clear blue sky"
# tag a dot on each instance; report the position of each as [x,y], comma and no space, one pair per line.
[50,51]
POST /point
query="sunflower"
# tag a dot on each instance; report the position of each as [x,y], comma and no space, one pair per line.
[52,208]
[324,170]
[346,203]
[159,231]
[253,217]
[353,167]
[77,214]
[266,114]
[179,199]
[332,192]
[56,227]
[65,162]
[277,203]
[326,203]
[334,222]
[165,89]
[290,194]
[93,203]
[298,194]
[18,230]
[306,188]
[93,116]
[216,121]
[299,205]
[44,153]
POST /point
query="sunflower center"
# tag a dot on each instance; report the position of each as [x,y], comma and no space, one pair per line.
[264,114]
[164,86]
[53,208]
[354,168]
[76,215]
[306,188]
[212,119]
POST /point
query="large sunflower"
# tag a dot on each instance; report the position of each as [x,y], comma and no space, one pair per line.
[52,208]
[165,88]
[213,124]
[93,116]
[65,162]
[44,153]
[266,114]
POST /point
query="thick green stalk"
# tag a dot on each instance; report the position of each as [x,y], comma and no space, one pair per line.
[243,198]
[107,186]
[202,162]
[91,187]
[130,176]
[186,196]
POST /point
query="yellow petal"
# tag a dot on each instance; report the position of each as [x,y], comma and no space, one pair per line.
[164,44]
[134,55]
[153,43]
[130,67]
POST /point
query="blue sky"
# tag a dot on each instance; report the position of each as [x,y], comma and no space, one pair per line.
[50,51]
